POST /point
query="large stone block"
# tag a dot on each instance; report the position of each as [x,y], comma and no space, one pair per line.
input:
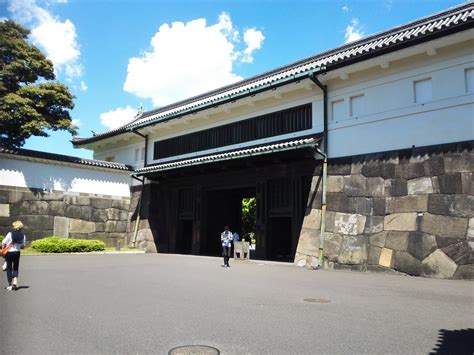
[80,226]
[4,197]
[396,187]
[332,246]
[335,183]
[438,265]
[61,227]
[86,213]
[464,272]
[101,203]
[338,202]
[4,210]
[121,226]
[375,187]
[386,171]
[353,250]
[378,239]
[349,224]
[99,226]
[374,224]
[57,208]
[401,222]
[123,215]
[313,219]
[420,245]
[355,185]
[434,166]
[308,243]
[73,211]
[412,203]
[451,205]
[330,218]
[410,171]
[99,215]
[113,214]
[374,255]
[406,263]
[444,226]
[361,205]
[461,253]
[418,186]
[450,183]
[445,241]
[111,226]
[467,180]
[83,201]
[378,206]
[38,222]
[145,241]
[459,163]
[397,241]
[386,257]
[34,207]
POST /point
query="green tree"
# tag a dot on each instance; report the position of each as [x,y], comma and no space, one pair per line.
[30,102]
[249,216]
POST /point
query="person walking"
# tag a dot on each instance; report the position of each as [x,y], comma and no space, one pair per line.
[226,240]
[18,240]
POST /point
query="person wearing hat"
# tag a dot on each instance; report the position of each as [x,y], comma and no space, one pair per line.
[18,240]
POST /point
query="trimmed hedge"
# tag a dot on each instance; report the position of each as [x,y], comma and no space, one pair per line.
[65,245]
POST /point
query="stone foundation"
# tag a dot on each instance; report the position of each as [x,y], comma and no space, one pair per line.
[411,211]
[67,215]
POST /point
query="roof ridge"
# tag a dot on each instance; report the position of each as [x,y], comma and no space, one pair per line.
[64,158]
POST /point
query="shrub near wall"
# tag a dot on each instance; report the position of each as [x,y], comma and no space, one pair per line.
[62,245]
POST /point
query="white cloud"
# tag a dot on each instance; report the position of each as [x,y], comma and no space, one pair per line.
[76,122]
[118,117]
[83,86]
[253,39]
[57,38]
[354,31]
[187,59]
[345,8]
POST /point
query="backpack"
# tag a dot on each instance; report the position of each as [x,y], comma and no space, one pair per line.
[17,237]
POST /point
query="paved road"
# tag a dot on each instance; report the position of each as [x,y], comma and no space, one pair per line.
[145,304]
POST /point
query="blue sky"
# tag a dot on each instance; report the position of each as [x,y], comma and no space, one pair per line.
[119,55]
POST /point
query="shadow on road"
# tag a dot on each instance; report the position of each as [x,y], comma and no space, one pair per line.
[458,342]
[22,287]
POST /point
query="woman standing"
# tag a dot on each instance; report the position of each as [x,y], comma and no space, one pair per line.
[18,239]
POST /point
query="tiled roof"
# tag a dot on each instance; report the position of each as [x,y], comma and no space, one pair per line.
[450,21]
[64,158]
[235,154]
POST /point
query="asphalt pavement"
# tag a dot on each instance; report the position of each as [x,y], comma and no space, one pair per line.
[151,303]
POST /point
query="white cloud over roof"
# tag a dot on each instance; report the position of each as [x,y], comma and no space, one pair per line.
[187,59]
[354,31]
[115,118]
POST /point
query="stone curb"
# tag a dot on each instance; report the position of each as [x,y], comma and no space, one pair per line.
[90,253]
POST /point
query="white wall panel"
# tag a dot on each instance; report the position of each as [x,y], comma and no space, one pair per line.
[24,173]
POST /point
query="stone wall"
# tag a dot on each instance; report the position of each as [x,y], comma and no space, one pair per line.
[65,214]
[411,211]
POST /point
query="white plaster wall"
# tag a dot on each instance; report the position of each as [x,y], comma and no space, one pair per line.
[392,119]
[30,174]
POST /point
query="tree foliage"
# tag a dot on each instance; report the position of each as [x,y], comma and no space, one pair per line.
[30,102]
[249,216]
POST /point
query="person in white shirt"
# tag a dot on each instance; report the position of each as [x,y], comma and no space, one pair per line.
[18,240]
[226,240]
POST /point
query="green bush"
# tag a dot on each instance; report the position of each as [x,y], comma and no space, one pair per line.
[64,245]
